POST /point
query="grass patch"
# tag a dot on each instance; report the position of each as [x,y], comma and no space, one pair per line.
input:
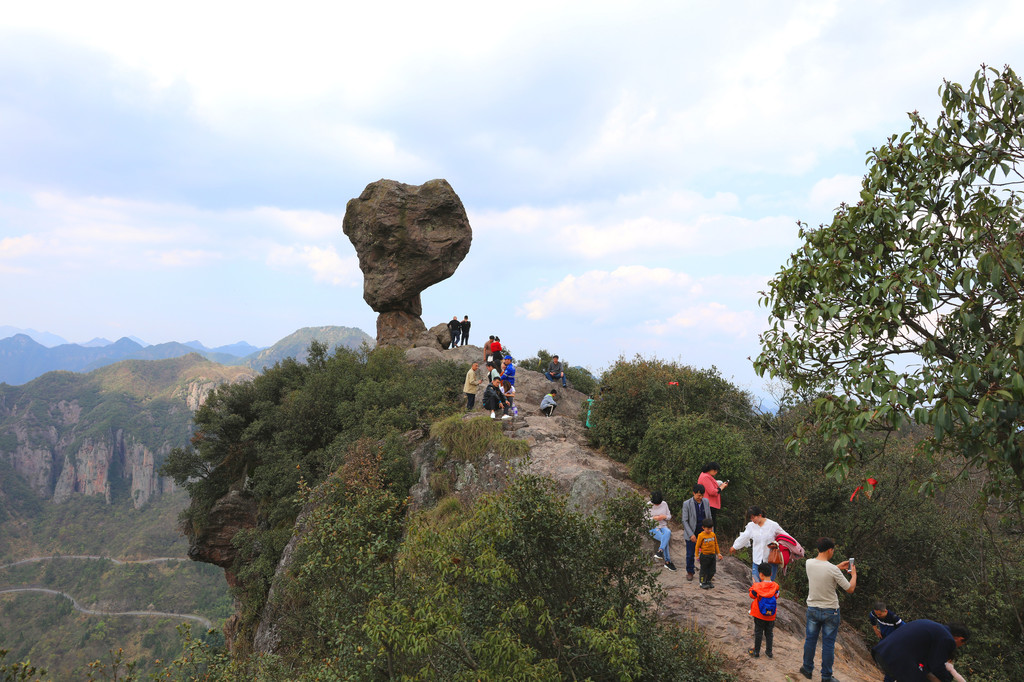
[467,440]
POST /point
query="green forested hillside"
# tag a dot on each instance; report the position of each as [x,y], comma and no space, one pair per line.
[47,630]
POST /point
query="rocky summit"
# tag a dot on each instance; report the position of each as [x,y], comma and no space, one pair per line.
[407,237]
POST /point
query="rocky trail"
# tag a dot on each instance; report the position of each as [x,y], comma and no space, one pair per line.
[559,450]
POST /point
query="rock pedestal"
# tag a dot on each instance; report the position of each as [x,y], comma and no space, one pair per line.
[407,237]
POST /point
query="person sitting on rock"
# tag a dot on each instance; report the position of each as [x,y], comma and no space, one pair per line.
[658,512]
[508,371]
[455,330]
[496,351]
[493,399]
[509,391]
[548,404]
[492,371]
[555,370]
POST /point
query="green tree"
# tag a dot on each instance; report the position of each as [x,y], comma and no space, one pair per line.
[674,450]
[524,587]
[907,307]
[638,391]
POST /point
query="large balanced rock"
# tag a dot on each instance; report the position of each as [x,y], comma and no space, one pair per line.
[407,238]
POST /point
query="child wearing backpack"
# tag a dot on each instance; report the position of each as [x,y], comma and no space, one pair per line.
[707,550]
[764,595]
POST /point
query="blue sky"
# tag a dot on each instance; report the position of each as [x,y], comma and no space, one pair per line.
[633,171]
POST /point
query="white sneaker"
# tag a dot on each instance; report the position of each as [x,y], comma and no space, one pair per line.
[506,416]
[492,415]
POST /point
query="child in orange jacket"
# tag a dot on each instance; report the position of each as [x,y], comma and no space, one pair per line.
[764,595]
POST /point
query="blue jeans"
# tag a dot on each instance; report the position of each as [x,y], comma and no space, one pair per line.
[555,377]
[825,621]
[757,577]
[663,536]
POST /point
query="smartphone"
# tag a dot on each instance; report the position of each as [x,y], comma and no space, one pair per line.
[852,562]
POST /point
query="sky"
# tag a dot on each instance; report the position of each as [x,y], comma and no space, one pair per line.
[633,172]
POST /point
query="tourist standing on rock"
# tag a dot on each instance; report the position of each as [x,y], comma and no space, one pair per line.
[919,650]
[465,324]
[659,513]
[759,533]
[455,331]
[555,370]
[488,354]
[470,387]
[695,510]
[765,595]
[548,404]
[508,370]
[496,351]
[823,577]
[713,488]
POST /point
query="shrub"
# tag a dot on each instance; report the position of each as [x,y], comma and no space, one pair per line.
[675,449]
[493,595]
[466,440]
[635,392]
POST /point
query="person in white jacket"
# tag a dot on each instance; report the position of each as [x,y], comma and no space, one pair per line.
[760,531]
[658,512]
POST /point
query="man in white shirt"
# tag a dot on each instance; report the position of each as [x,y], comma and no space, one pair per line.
[823,607]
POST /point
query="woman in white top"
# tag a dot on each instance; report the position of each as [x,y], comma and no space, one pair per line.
[658,512]
[760,531]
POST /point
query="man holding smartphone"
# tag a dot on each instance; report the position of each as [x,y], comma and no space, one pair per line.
[823,607]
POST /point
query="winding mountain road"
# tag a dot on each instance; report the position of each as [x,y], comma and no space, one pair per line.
[119,562]
[93,612]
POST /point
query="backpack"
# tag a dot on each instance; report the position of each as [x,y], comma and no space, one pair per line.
[767,605]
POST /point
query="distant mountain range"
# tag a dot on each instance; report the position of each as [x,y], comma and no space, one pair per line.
[23,358]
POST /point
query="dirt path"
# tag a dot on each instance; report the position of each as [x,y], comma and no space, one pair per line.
[94,612]
[559,450]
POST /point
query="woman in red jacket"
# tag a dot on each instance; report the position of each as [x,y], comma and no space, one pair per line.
[712,491]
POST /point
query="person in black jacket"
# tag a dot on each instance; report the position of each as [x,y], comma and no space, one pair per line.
[455,330]
[465,330]
[918,650]
[494,400]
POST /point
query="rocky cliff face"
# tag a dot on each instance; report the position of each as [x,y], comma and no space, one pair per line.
[65,439]
[90,469]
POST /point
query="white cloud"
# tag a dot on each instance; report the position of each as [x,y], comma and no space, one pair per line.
[183,258]
[828,193]
[656,222]
[72,233]
[12,248]
[710,318]
[325,263]
[308,224]
[660,302]
[599,293]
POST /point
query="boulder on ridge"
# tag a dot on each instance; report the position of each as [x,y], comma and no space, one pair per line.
[407,237]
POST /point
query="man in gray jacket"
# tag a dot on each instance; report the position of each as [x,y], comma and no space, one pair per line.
[695,510]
